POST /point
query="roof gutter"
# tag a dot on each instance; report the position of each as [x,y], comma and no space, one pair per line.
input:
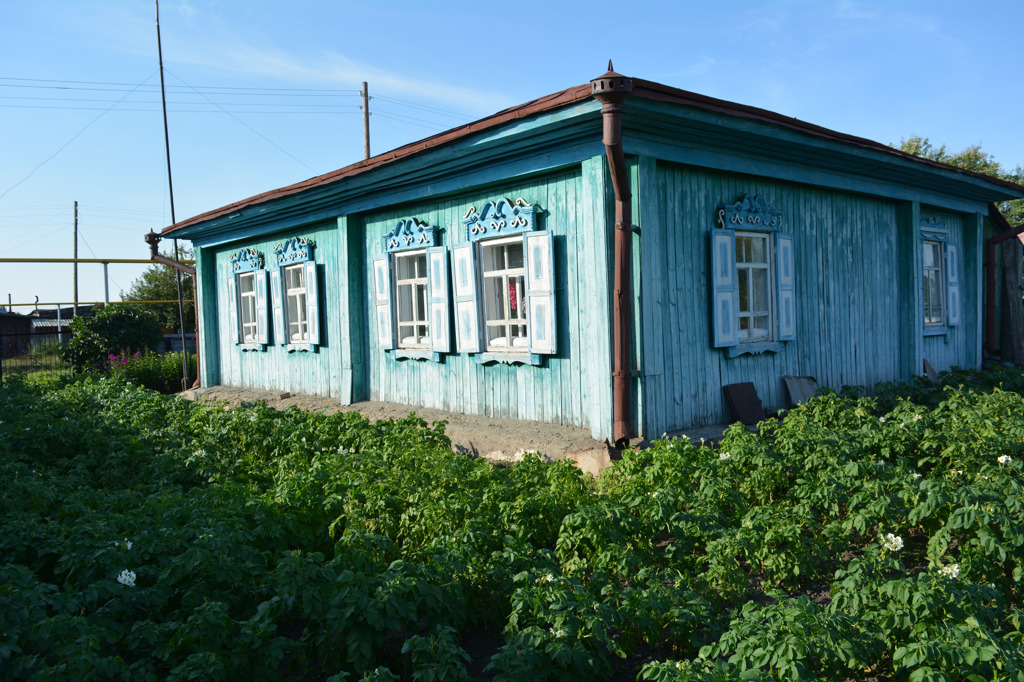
[1007,232]
[611,91]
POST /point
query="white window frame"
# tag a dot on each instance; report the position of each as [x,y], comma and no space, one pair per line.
[295,304]
[419,300]
[509,314]
[751,218]
[749,268]
[934,311]
[247,324]
[937,317]
[247,309]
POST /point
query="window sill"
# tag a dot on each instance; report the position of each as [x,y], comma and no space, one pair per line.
[252,346]
[415,354]
[488,358]
[300,348]
[753,348]
[936,331]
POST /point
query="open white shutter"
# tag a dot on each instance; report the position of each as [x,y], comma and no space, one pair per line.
[952,287]
[260,281]
[786,279]
[437,294]
[232,309]
[540,292]
[276,295]
[382,301]
[312,303]
[724,313]
[467,316]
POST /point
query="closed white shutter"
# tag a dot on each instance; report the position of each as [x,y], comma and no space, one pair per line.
[437,294]
[276,296]
[724,313]
[952,287]
[540,292]
[262,332]
[467,315]
[382,301]
[312,303]
[232,309]
[786,279]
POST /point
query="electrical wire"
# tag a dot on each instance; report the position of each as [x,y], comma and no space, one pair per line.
[62,147]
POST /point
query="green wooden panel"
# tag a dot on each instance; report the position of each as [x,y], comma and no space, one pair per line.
[846,260]
[314,373]
[572,387]
[209,347]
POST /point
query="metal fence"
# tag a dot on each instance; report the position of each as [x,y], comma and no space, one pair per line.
[31,355]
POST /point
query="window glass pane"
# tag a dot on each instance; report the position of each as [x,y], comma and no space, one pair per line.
[759,289]
[758,250]
[743,281]
[246,283]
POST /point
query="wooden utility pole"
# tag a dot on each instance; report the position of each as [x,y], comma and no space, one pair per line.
[366,122]
[74,308]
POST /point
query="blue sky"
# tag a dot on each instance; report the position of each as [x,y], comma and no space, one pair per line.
[265,93]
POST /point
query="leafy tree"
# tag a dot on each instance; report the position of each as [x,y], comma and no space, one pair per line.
[971,158]
[159,283]
[112,330]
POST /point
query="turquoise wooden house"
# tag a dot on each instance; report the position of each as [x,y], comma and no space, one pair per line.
[609,256]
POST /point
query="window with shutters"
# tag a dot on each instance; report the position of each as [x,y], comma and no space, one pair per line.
[940,283]
[411,293]
[753,303]
[247,300]
[504,285]
[295,311]
[295,287]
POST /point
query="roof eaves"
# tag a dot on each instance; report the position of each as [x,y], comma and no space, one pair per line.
[537,106]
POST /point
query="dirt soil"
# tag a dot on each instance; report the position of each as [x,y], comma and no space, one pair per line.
[499,440]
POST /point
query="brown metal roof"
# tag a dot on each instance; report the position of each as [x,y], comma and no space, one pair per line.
[641,88]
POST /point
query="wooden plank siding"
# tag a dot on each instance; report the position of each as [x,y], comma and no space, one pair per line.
[847,272]
[572,387]
[314,372]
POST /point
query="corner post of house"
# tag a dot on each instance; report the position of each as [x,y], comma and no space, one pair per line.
[973,295]
[353,302]
[208,344]
[908,290]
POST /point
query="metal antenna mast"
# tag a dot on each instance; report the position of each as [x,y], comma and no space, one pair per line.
[170,185]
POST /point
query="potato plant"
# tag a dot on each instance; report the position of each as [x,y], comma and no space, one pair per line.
[144,537]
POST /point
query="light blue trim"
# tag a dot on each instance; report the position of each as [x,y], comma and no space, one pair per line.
[935,330]
[253,346]
[246,260]
[753,348]
[300,348]
[500,218]
[487,358]
[750,213]
[410,233]
[409,354]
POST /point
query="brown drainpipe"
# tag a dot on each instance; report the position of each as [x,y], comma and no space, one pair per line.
[611,90]
[153,239]
[1005,233]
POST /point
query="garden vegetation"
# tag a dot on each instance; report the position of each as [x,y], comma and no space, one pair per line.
[145,537]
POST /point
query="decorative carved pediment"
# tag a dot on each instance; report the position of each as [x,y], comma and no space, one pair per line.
[751,213]
[245,260]
[294,250]
[496,219]
[410,233]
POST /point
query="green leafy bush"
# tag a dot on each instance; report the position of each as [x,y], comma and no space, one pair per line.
[146,537]
[114,329]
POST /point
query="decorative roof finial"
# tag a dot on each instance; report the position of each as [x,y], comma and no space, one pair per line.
[610,67]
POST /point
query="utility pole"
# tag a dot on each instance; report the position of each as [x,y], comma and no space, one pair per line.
[74,309]
[366,122]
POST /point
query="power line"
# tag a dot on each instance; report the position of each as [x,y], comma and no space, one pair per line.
[62,147]
[172,87]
